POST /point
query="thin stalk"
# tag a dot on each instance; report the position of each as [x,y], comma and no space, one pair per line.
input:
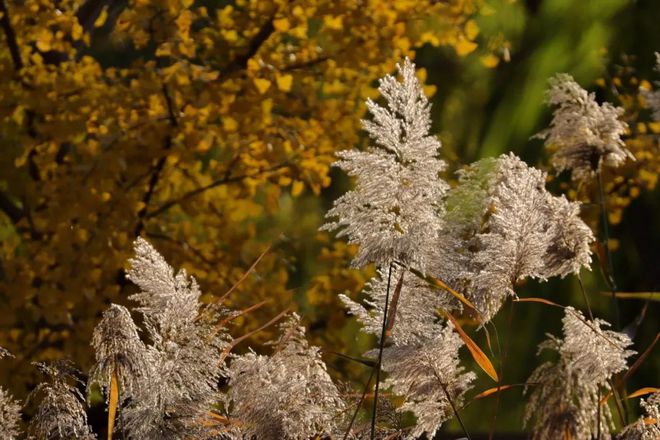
[620,409]
[503,357]
[453,407]
[584,295]
[609,277]
[380,354]
[598,416]
[359,404]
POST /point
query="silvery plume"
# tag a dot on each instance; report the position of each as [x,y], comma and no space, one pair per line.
[392,213]
[120,353]
[646,427]
[416,315]
[10,410]
[652,97]
[184,353]
[503,226]
[429,376]
[583,135]
[286,395]
[565,400]
[60,414]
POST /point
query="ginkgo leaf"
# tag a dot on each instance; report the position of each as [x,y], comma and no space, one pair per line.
[262,85]
[477,354]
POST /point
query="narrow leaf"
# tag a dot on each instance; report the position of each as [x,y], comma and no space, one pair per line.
[538,300]
[641,358]
[642,392]
[391,313]
[113,402]
[491,391]
[439,284]
[480,358]
[240,339]
[368,362]
[647,296]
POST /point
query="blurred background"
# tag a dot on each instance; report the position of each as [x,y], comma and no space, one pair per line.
[209,127]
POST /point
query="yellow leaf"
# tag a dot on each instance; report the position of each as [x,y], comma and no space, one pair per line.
[113,401]
[229,124]
[77,31]
[253,65]
[281,24]
[335,23]
[284,82]
[284,181]
[262,85]
[642,392]
[489,61]
[297,188]
[464,47]
[230,35]
[44,40]
[480,358]
[471,30]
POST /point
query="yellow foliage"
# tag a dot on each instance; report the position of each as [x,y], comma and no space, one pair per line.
[181,124]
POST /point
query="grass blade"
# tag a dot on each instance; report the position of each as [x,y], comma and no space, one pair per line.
[538,300]
[650,296]
[391,314]
[439,284]
[494,390]
[642,392]
[113,402]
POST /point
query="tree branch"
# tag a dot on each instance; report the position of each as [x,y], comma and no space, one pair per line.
[222,181]
[11,37]
[12,211]
[156,173]
[240,62]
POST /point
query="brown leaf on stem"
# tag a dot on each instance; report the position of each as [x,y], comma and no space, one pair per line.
[477,354]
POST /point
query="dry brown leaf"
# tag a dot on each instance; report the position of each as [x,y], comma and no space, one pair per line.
[538,300]
[439,284]
[391,313]
[477,354]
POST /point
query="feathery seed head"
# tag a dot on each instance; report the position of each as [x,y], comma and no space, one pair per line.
[392,213]
[652,97]
[583,134]
[566,399]
[61,413]
[287,395]
[427,375]
[119,351]
[502,226]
